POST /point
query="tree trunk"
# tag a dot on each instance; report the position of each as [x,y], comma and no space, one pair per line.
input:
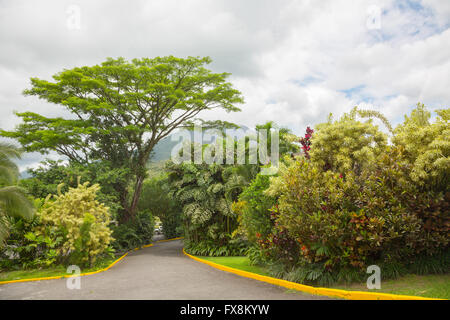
[137,193]
[124,213]
[130,210]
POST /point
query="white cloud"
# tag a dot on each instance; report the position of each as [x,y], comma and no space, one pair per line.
[440,9]
[294,61]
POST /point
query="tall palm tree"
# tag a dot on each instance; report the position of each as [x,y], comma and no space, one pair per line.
[13,200]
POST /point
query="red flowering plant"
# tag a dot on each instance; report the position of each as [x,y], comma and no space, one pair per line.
[306,142]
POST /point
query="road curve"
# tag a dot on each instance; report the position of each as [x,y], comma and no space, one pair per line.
[160,272]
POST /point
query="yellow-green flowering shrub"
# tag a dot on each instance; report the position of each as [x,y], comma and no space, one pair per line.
[81,220]
[426,146]
[346,144]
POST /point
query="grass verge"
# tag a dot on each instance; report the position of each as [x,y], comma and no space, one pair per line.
[430,286]
[49,272]
[241,263]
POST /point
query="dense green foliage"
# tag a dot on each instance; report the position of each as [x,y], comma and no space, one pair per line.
[352,201]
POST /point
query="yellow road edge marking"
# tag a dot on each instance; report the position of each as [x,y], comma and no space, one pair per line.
[350,295]
[170,239]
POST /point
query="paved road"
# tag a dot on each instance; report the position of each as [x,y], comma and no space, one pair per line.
[160,272]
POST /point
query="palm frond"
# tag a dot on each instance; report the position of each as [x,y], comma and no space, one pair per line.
[8,169]
[8,174]
[15,203]
[4,229]
[9,150]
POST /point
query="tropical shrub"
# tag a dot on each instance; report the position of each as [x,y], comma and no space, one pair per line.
[24,249]
[351,221]
[346,144]
[81,221]
[355,201]
[426,146]
[253,209]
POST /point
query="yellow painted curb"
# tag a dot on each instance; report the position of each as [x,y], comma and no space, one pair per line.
[170,239]
[351,295]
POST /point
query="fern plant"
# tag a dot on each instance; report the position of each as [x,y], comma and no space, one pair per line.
[201,192]
[205,193]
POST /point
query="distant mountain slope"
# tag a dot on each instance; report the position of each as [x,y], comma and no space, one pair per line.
[163,150]
[24,175]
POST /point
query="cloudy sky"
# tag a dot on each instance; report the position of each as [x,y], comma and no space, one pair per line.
[294,61]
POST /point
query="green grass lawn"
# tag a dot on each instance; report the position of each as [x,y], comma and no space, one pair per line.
[241,263]
[430,286]
[48,272]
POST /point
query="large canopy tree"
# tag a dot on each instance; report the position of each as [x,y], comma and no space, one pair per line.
[121,110]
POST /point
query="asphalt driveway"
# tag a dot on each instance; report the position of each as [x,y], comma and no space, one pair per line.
[160,272]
